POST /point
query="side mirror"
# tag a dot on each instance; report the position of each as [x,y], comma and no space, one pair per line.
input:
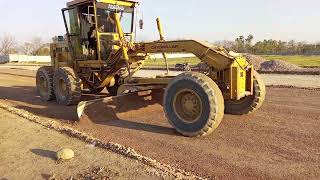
[141,24]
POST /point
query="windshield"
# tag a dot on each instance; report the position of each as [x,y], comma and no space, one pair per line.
[106,22]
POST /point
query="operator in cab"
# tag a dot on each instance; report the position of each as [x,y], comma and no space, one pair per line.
[106,24]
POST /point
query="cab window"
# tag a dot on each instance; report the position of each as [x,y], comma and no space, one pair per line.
[106,22]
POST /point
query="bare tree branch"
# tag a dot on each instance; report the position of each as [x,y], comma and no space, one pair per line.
[37,45]
[7,44]
[27,48]
[33,47]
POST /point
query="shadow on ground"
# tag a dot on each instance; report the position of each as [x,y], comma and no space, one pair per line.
[120,112]
[26,98]
[133,111]
[44,153]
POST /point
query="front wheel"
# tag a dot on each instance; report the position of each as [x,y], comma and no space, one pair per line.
[249,104]
[193,104]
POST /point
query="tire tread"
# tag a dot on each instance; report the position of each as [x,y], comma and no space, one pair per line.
[73,84]
[48,71]
[215,99]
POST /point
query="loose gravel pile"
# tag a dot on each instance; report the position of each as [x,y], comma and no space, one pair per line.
[261,64]
[278,65]
[256,61]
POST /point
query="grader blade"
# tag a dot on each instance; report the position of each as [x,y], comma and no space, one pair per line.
[109,108]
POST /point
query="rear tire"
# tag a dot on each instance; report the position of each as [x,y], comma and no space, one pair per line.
[193,104]
[44,82]
[67,86]
[248,104]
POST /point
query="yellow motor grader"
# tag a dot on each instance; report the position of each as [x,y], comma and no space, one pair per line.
[98,51]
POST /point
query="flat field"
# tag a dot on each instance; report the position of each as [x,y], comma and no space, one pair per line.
[307,61]
[303,61]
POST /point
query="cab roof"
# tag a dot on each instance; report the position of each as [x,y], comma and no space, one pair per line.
[76,2]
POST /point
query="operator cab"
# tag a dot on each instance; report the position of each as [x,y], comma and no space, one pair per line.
[91,28]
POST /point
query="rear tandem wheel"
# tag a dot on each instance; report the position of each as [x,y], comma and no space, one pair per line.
[193,104]
[44,83]
[67,86]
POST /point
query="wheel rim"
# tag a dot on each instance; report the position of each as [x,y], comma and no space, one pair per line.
[62,87]
[43,85]
[187,105]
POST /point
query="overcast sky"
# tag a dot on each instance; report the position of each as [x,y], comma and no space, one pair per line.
[209,20]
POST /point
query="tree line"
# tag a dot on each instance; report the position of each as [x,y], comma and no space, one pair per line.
[244,44]
[34,47]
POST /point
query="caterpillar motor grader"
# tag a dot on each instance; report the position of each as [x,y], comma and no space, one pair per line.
[99,51]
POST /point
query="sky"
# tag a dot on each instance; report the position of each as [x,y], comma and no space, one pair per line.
[207,20]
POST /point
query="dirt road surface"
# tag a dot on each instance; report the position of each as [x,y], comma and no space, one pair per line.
[281,140]
[28,150]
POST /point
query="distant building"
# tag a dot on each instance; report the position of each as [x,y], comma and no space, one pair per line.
[24,58]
